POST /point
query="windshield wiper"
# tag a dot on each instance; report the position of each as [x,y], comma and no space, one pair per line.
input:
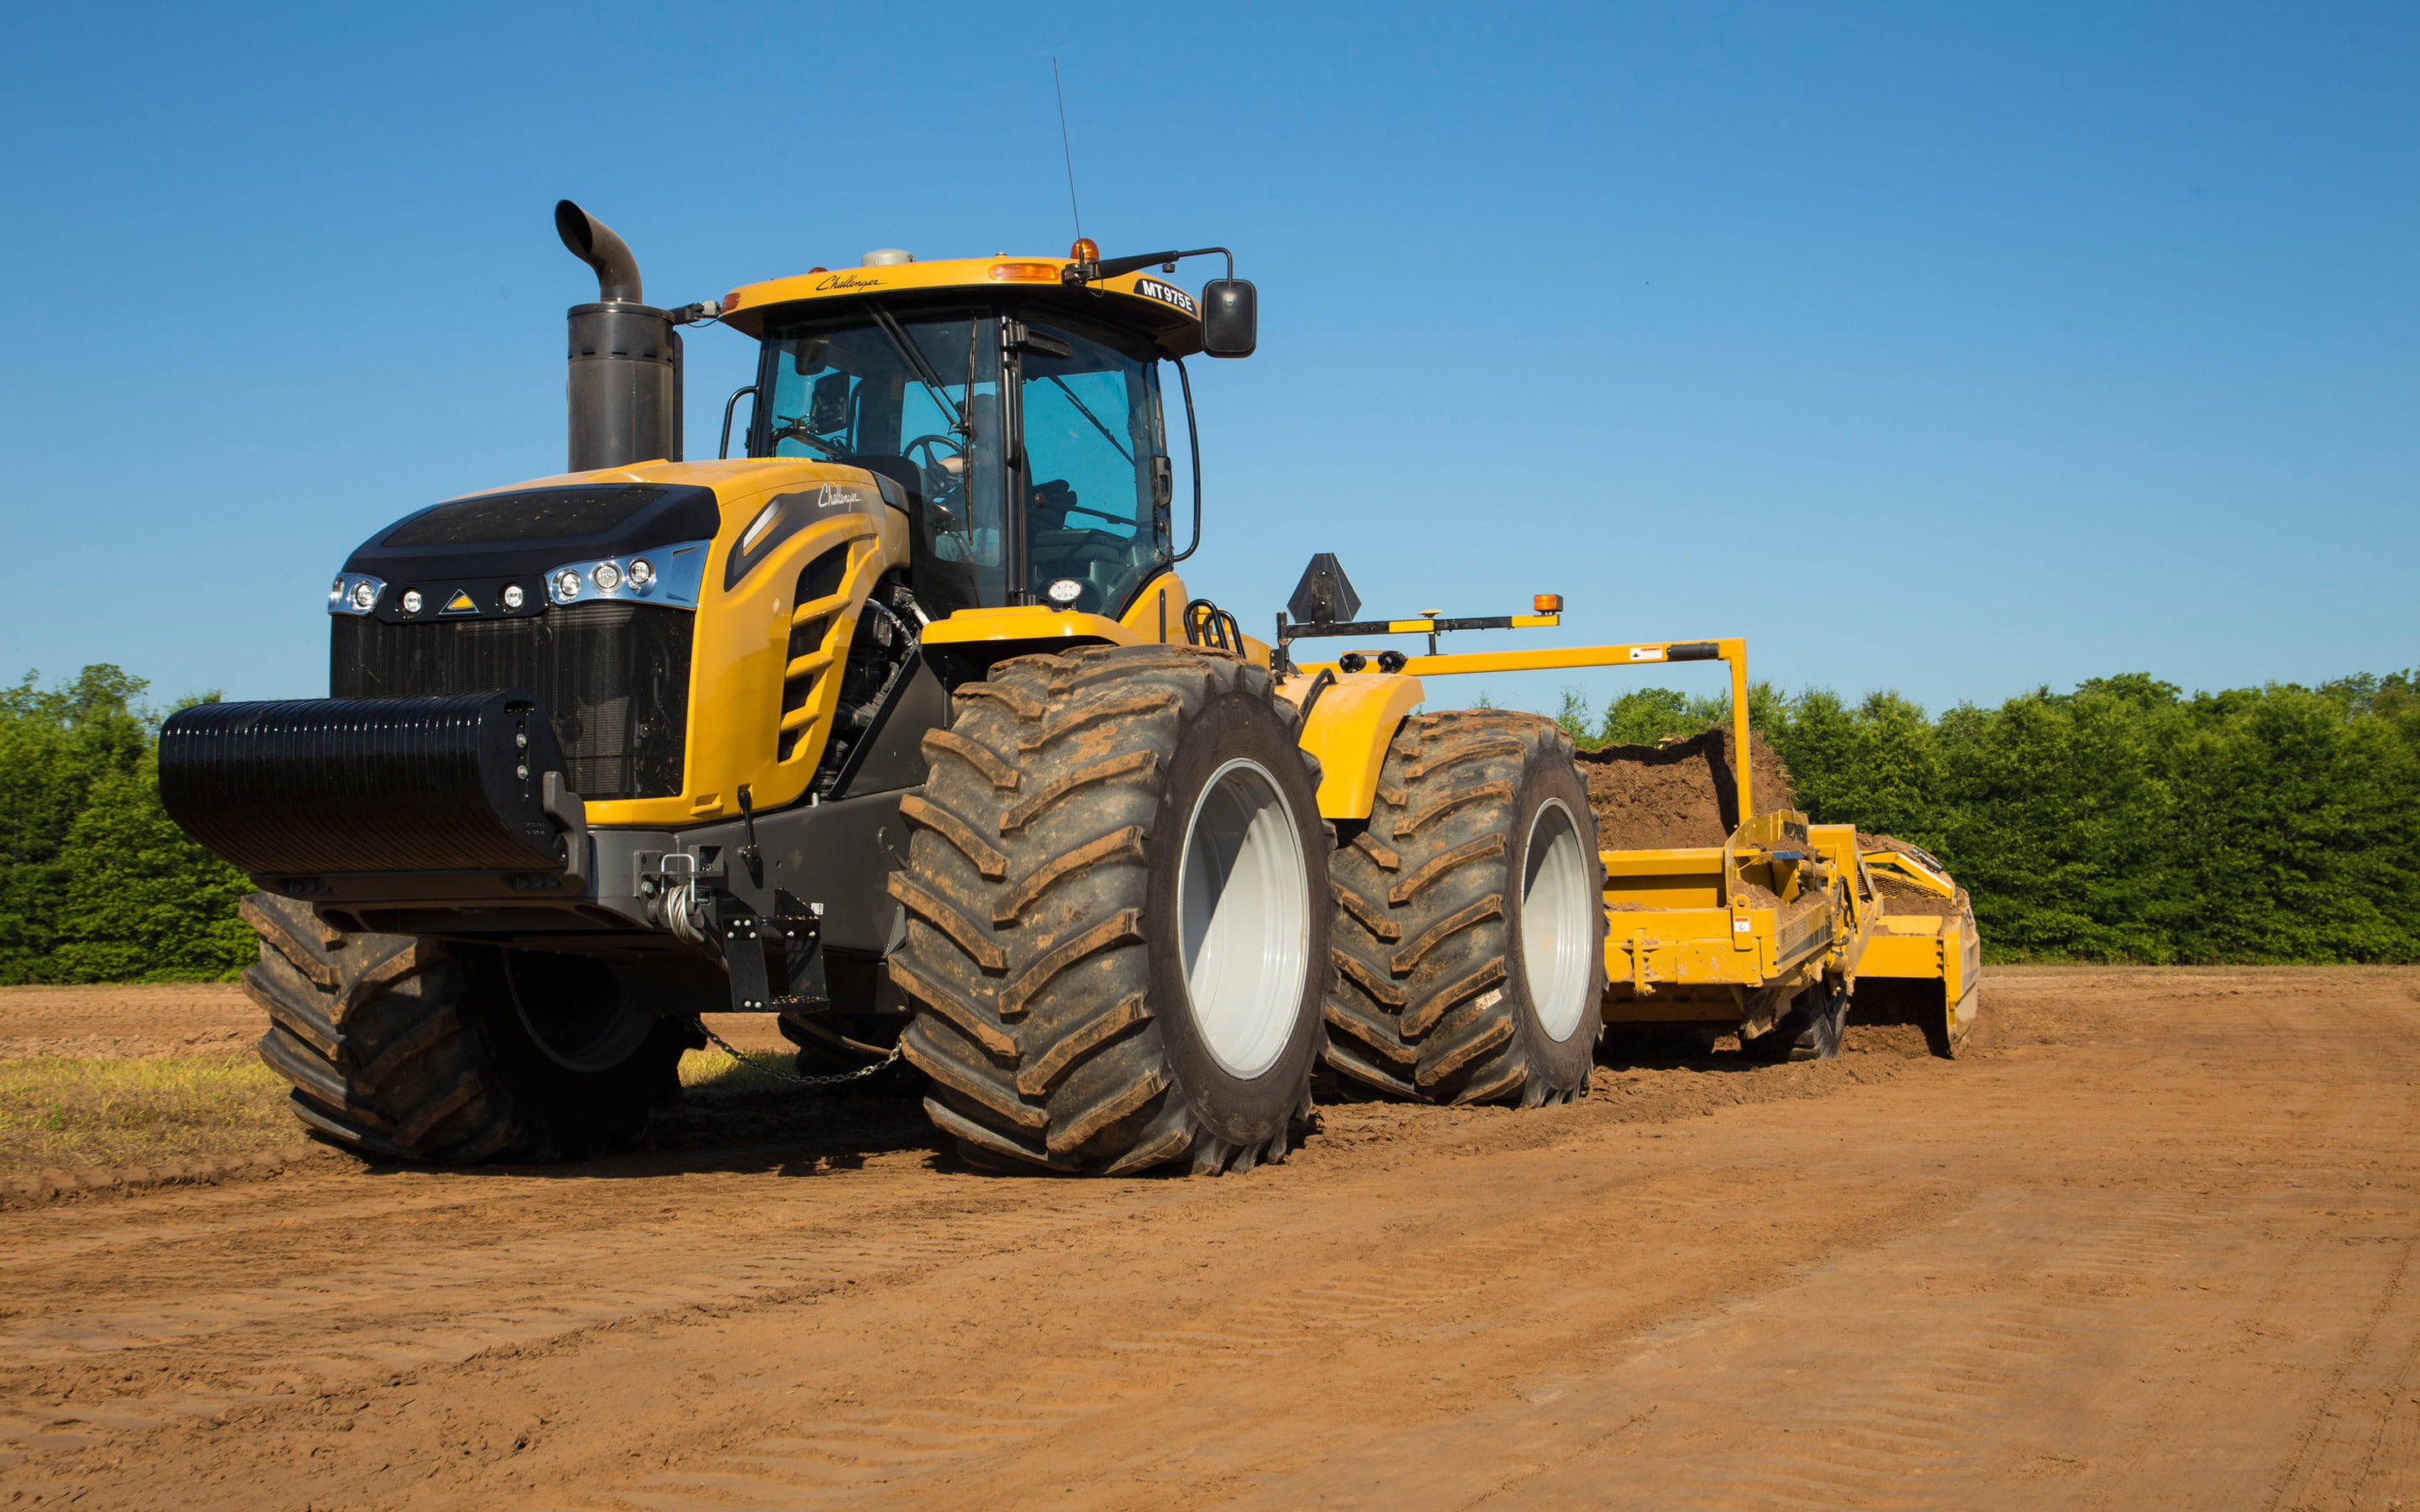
[914,357]
[1094,418]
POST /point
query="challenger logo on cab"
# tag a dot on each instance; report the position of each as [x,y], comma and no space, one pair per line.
[1152,288]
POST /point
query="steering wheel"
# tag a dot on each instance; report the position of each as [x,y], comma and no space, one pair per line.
[942,486]
[932,445]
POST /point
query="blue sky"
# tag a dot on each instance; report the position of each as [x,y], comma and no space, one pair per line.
[1954,349]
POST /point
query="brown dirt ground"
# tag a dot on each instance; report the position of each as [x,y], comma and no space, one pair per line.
[2149,1243]
[1656,797]
[195,1018]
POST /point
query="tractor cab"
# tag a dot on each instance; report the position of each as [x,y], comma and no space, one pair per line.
[1016,405]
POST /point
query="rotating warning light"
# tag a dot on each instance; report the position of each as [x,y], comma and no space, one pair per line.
[1546,603]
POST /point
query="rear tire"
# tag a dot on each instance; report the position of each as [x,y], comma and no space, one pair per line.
[1808,1030]
[408,1049]
[1470,923]
[1111,944]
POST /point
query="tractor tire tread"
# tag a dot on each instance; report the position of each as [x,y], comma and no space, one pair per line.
[1030,1003]
[1422,1000]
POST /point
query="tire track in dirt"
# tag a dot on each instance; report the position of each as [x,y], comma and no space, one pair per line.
[835,1466]
[451,1306]
[2127,1260]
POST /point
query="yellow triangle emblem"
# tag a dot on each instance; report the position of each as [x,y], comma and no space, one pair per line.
[459,603]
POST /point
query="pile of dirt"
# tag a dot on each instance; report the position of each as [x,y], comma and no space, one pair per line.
[1902,896]
[1658,797]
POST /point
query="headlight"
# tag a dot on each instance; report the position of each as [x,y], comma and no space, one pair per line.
[513,595]
[412,601]
[668,576]
[365,596]
[1064,591]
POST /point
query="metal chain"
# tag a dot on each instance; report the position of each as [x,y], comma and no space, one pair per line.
[753,1064]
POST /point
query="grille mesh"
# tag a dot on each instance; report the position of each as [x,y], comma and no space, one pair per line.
[613,678]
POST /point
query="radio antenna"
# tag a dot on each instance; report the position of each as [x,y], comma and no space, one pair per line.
[1061,90]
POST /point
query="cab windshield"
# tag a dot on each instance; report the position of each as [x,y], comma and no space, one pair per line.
[918,399]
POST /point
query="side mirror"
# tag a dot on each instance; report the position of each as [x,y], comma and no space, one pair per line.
[1231,318]
[828,403]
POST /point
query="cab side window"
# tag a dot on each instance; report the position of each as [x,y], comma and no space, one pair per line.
[1092,430]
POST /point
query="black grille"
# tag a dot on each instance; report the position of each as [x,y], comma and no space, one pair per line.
[543,515]
[612,677]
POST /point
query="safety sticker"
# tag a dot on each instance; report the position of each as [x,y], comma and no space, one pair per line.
[1647,653]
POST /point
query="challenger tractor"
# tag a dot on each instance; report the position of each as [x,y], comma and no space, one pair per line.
[898,721]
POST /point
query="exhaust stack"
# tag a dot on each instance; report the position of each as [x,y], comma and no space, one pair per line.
[624,390]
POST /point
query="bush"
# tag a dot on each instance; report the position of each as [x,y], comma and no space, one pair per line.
[98,885]
[2123,820]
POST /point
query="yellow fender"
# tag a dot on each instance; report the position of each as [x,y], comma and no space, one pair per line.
[1349,725]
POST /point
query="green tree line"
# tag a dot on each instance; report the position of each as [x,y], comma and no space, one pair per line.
[2125,821]
[98,885]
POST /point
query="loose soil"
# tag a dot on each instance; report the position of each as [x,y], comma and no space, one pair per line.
[2149,1243]
[1657,797]
[1902,896]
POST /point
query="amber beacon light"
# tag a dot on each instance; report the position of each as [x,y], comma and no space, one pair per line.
[1546,603]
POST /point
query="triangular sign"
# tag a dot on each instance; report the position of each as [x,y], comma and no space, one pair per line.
[1325,596]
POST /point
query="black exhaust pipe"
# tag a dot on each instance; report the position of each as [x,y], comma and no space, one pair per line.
[623,391]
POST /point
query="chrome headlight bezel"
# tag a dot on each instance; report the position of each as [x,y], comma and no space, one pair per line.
[345,597]
[672,578]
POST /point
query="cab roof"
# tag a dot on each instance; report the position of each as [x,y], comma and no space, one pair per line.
[1148,301]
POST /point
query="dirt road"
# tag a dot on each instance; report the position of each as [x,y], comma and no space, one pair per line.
[2153,1247]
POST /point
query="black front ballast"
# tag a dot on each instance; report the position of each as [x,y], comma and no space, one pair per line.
[310,787]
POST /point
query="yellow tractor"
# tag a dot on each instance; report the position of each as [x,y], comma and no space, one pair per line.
[900,724]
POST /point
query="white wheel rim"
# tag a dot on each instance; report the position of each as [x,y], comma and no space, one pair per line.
[1558,926]
[1243,909]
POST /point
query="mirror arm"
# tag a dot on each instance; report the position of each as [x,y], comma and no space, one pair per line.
[728,406]
[1091,272]
[1193,442]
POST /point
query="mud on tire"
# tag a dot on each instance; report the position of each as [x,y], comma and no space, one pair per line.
[1469,929]
[1113,943]
[402,1048]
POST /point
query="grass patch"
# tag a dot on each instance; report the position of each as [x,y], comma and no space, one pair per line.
[57,1111]
[711,1079]
[61,1112]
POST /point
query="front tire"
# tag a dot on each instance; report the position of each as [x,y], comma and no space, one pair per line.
[408,1049]
[1471,918]
[1112,942]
